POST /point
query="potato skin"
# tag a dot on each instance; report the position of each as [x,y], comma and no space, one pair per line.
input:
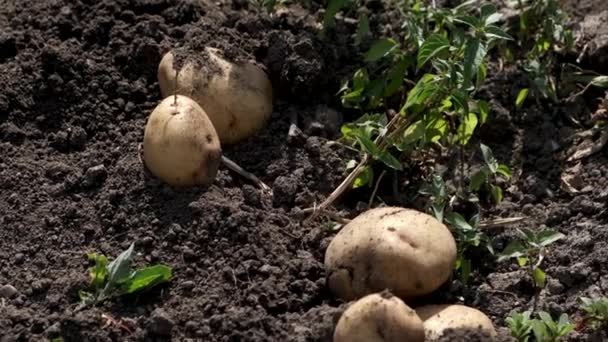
[181,146]
[238,98]
[437,318]
[379,317]
[403,250]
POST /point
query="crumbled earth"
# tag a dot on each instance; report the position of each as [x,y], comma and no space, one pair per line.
[78,79]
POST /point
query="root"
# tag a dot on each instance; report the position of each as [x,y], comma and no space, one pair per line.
[248,175]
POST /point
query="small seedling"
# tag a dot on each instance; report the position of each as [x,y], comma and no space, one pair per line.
[468,236]
[596,312]
[545,329]
[530,252]
[117,278]
[520,325]
[486,177]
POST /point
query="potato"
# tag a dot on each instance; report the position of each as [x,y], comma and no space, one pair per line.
[379,317]
[237,97]
[438,318]
[181,146]
[403,250]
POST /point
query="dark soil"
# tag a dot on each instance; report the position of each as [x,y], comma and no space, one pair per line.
[78,79]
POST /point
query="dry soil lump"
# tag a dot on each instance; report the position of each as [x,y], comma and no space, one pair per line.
[237,96]
[403,250]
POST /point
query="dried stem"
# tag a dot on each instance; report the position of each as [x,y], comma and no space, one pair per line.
[236,168]
[371,198]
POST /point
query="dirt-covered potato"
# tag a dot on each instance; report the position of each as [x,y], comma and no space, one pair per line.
[181,146]
[238,97]
[379,317]
[403,250]
[438,318]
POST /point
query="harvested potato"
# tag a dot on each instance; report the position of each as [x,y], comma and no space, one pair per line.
[438,318]
[379,317]
[237,96]
[181,146]
[403,250]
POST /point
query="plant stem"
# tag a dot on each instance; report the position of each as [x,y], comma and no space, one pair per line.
[248,175]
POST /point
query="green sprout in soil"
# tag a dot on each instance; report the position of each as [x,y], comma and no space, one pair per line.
[530,252]
[542,329]
[541,31]
[596,312]
[116,278]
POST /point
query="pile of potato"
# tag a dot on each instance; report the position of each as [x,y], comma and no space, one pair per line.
[205,105]
[389,256]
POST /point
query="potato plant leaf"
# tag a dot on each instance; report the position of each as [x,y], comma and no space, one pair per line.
[431,47]
[547,237]
[600,81]
[420,93]
[540,277]
[492,31]
[497,194]
[504,170]
[380,49]
[146,278]
[474,53]
[484,111]
[366,177]
[488,157]
[521,97]
[466,128]
[98,272]
[478,179]
[119,268]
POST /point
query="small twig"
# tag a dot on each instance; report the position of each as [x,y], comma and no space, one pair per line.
[500,222]
[327,213]
[582,54]
[111,321]
[371,198]
[236,168]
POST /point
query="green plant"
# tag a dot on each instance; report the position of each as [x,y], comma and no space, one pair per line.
[449,48]
[596,312]
[468,236]
[530,252]
[520,325]
[544,329]
[486,176]
[116,278]
[541,31]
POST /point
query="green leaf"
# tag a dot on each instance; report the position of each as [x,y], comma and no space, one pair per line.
[351,164]
[98,272]
[120,268]
[495,32]
[366,177]
[475,51]
[389,160]
[484,111]
[395,77]
[488,157]
[504,170]
[147,277]
[522,261]
[431,47]
[493,18]
[466,128]
[540,278]
[515,249]
[479,178]
[436,128]
[521,97]
[600,81]
[414,132]
[482,73]
[421,91]
[468,20]
[380,49]
[457,221]
[363,28]
[547,237]
[487,10]
[497,194]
